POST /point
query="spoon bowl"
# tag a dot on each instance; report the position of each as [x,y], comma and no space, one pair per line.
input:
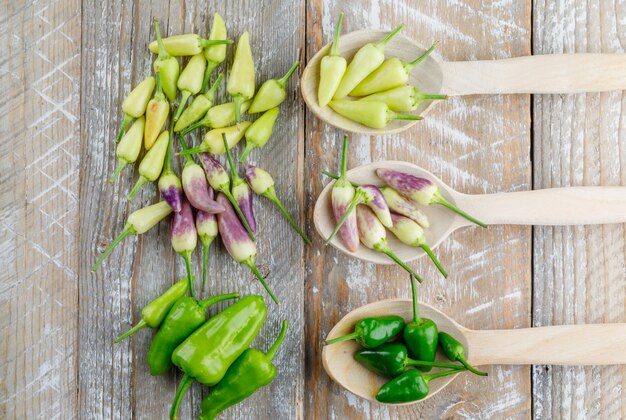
[591,344]
[552,206]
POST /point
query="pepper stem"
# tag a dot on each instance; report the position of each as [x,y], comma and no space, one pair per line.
[335,176]
[334,50]
[432,376]
[158,94]
[238,211]
[440,199]
[344,156]
[210,66]
[229,157]
[128,230]
[387,251]
[183,103]
[121,163]
[249,147]
[392,116]
[383,43]
[283,80]
[219,298]
[434,259]
[270,194]
[238,100]
[192,151]
[192,127]
[412,362]
[409,66]
[205,263]
[416,308]
[187,257]
[470,367]
[183,386]
[259,277]
[127,119]
[183,144]
[139,326]
[358,199]
[163,54]
[347,337]
[208,42]
[142,180]
[279,340]
[167,164]
[421,97]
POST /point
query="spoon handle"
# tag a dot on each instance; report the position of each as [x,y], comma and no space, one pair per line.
[556,73]
[551,206]
[591,344]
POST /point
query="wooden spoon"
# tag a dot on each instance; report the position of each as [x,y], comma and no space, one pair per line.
[552,206]
[591,344]
[557,73]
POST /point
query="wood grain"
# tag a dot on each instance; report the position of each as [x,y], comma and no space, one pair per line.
[579,271]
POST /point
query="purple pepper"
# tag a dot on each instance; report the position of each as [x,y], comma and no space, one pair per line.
[420,190]
[400,205]
[237,241]
[240,191]
[206,226]
[169,184]
[184,238]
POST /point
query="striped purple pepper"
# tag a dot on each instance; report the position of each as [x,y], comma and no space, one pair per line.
[420,190]
[400,205]
[206,226]
[374,236]
[184,238]
[236,240]
[169,184]
[240,190]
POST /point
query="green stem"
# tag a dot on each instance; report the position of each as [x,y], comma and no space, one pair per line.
[270,194]
[142,180]
[183,103]
[259,277]
[440,199]
[193,151]
[205,262]
[187,257]
[249,147]
[208,42]
[405,117]
[279,340]
[335,176]
[167,164]
[183,386]
[389,37]
[411,362]
[159,95]
[127,119]
[416,309]
[231,164]
[283,80]
[238,211]
[192,127]
[470,367]
[387,251]
[421,97]
[128,230]
[434,259]
[351,336]
[356,200]
[219,298]
[185,148]
[238,100]
[163,54]
[344,156]
[211,65]
[409,66]
[334,50]
[121,163]
[432,376]
[139,326]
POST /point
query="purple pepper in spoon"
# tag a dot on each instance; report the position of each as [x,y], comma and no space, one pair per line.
[184,238]
[206,226]
[169,184]
[240,190]
[236,240]
[420,190]
[373,235]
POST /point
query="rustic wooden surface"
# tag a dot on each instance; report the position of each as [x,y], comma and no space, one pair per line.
[64,69]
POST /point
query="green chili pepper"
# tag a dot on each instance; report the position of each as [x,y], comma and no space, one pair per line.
[185,316]
[272,92]
[420,335]
[392,73]
[391,360]
[139,221]
[250,372]
[403,98]
[241,83]
[213,143]
[190,81]
[332,68]
[214,54]
[259,132]
[166,66]
[199,107]
[135,103]
[186,44]
[412,385]
[373,332]
[456,352]
[156,114]
[217,117]
[209,351]
[153,313]
[152,163]
[366,60]
[128,148]
[369,113]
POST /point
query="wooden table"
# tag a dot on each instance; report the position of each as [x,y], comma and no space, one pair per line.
[64,69]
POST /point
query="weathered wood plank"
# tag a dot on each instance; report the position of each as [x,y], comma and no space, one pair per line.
[39,125]
[477,144]
[579,271]
[115,381]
